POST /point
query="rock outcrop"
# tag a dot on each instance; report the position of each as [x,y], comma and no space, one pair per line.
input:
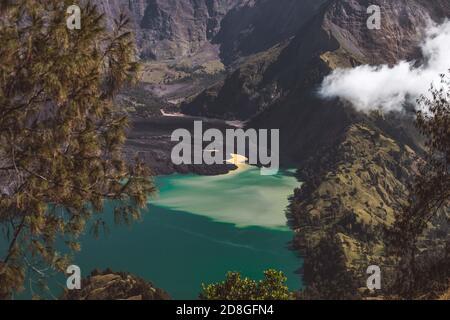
[109,285]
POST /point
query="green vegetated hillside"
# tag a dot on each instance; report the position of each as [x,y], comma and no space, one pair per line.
[356,167]
[352,190]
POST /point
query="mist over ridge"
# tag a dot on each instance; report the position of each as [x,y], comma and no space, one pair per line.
[389,87]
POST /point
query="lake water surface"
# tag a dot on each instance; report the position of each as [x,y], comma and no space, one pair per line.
[197,228]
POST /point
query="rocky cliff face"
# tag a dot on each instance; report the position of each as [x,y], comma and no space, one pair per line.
[259,25]
[178,28]
[402,23]
[167,29]
[182,27]
[337,36]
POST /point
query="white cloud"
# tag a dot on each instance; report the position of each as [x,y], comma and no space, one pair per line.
[390,87]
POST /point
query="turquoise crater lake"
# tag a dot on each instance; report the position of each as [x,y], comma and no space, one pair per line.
[197,228]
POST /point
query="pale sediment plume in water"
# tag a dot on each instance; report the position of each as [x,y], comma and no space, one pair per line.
[242,197]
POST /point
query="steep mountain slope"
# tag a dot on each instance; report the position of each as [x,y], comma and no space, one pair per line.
[336,37]
[366,162]
[262,24]
[181,27]
[241,95]
[175,28]
[352,190]
[276,88]
[166,29]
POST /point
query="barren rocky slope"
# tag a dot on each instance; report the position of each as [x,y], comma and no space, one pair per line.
[335,37]
[168,29]
[261,24]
